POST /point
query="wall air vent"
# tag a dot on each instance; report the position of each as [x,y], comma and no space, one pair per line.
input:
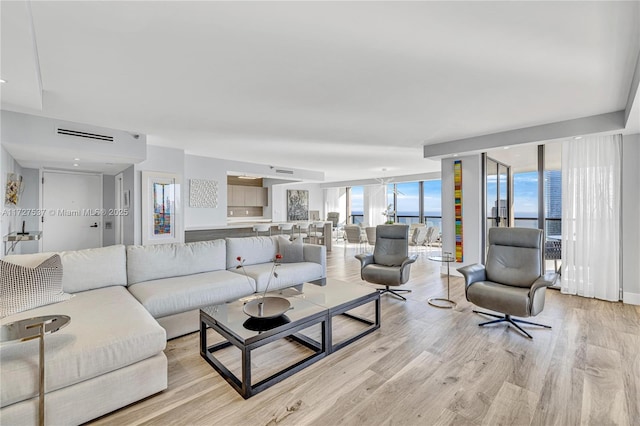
[286,172]
[94,136]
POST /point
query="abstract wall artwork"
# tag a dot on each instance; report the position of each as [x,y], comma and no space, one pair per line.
[13,190]
[457,181]
[297,204]
[203,193]
[161,208]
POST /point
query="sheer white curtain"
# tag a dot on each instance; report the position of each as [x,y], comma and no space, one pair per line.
[591,170]
[375,202]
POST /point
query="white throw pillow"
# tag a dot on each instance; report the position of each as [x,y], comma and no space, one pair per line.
[23,288]
[291,251]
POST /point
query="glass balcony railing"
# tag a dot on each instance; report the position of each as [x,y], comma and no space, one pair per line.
[406,219]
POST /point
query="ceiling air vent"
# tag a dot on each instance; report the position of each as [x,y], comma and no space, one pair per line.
[286,172]
[94,136]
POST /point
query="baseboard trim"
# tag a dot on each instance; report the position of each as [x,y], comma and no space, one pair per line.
[631,298]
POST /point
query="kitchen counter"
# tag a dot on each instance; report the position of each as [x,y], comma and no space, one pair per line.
[242,229]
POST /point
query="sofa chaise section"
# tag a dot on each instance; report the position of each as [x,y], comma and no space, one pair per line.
[110,354]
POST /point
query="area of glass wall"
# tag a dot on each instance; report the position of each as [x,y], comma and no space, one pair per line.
[356,207]
[407,202]
[527,208]
[432,203]
[525,199]
[404,203]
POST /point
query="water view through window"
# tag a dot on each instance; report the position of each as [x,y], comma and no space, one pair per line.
[407,203]
[525,200]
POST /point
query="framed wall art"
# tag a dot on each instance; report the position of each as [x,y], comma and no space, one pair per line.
[297,204]
[161,208]
[13,190]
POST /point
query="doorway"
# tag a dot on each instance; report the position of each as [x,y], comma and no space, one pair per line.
[497,196]
[73,210]
[120,204]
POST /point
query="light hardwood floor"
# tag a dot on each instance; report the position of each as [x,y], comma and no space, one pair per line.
[426,366]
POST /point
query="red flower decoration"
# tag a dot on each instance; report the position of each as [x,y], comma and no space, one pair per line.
[239,258]
[278,256]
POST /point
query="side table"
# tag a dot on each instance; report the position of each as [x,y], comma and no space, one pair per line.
[439,302]
[34,328]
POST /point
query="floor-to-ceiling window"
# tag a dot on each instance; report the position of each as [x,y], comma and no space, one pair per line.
[536,193]
[356,204]
[391,202]
[432,203]
[525,199]
[407,202]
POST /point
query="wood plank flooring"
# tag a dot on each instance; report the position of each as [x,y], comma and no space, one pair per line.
[425,366]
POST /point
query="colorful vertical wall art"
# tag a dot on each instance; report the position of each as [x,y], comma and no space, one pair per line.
[161,208]
[457,182]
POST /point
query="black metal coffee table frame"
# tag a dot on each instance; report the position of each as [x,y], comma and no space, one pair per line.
[289,330]
[244,386]
[342,310]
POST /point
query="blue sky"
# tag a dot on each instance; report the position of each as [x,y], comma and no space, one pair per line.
[525,196]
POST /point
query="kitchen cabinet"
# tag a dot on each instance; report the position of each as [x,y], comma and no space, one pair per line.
[246,196]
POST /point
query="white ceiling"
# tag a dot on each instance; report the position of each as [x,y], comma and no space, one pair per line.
[348,88]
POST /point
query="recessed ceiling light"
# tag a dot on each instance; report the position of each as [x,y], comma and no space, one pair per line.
[2,80]
[75,164]
[506,147]
[577,138]
[76,159]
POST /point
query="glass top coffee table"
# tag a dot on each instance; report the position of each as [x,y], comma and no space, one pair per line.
[318,303]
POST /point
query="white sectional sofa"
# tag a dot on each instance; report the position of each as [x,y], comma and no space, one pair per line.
[127,302]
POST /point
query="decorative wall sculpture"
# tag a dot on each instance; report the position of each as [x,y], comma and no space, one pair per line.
[457,180]
[297,204]
[203,193]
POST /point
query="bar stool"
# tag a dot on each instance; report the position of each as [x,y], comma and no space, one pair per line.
[262,227]
[316,233]
[303,230]
[286,227]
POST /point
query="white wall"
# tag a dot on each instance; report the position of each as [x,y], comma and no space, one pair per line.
[335,200]
[128,221]
[211,169]
[631,219]
[108,203]
[163,160]
[471,213]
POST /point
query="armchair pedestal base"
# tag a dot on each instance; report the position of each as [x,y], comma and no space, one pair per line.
[508,319]
[394,292]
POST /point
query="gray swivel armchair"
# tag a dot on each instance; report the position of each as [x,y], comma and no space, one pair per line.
[354,234]
[334,218]
[370,231]
[512,281]
[390,263]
